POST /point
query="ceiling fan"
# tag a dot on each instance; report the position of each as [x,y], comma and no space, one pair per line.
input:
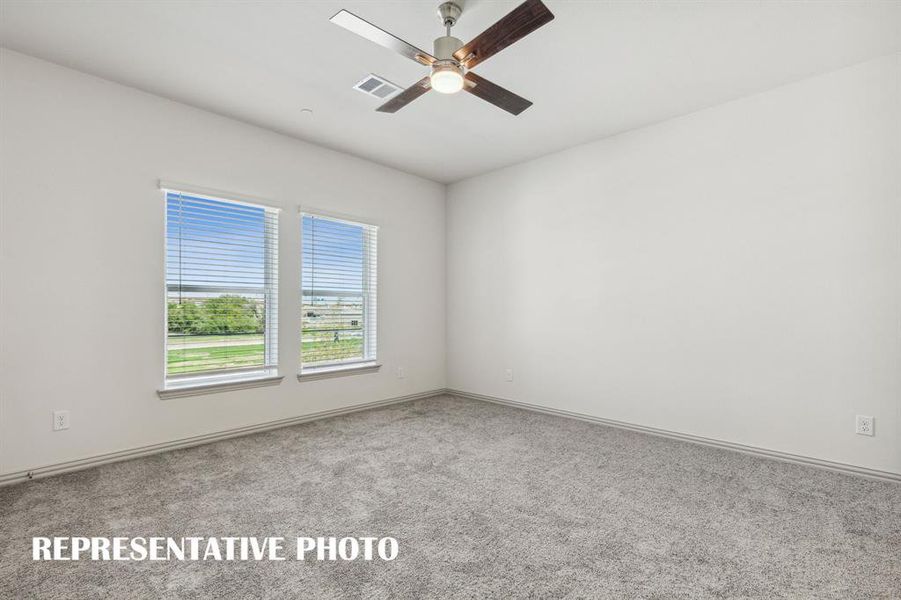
[452,59]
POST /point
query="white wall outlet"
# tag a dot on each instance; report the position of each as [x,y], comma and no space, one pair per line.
[60,420]
[865,425]
[508,374]
[401,372]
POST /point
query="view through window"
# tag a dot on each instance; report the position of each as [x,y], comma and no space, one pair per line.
[338,277]
[221,287]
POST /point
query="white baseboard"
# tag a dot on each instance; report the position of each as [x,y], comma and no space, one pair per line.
[102,459]
[762,452]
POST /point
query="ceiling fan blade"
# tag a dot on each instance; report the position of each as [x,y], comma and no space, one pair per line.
[365,29]
[520,22]
[495,94]
[407,96]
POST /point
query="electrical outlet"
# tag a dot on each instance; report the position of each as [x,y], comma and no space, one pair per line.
[60,420]
[508,374]
[865,425]
[401,372]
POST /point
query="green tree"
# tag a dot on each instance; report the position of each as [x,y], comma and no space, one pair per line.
[185,317]
[216,316]
[231,314]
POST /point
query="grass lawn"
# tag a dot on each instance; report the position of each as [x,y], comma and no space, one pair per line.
[190,360]
[187,339]
[328,349]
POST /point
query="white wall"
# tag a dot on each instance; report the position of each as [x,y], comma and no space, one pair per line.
[81,239]
[734,273]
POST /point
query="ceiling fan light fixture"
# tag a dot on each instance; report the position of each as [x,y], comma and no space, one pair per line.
[447,79]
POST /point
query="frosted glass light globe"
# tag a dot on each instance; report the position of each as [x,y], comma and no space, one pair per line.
[447,80]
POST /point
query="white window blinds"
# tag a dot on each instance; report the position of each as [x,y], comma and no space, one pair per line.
[221,288]
[339,282]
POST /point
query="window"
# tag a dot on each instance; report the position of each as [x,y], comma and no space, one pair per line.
[338,277]
[221,290]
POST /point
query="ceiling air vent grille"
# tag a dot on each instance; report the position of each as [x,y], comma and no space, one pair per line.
[373,85]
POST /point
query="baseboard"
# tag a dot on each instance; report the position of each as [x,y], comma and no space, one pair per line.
[102,459]
[753,450]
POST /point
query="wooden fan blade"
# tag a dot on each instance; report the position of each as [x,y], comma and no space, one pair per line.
[407,96]
[520,22]
[363,28]
[495,94]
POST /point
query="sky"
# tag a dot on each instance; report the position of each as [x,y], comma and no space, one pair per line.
[216,243]
[209,242]
[332,256]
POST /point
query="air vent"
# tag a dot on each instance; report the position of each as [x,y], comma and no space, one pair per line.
[373,85]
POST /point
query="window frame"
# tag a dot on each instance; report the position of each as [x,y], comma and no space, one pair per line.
[268,372]
[371,305]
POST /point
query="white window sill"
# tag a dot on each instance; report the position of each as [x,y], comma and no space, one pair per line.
[197,388]
[314,373]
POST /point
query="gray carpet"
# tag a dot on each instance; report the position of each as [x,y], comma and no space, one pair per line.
[485,501]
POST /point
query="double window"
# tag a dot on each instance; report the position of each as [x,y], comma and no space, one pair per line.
[222,291]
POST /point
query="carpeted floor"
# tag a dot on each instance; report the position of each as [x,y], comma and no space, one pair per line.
[486,502]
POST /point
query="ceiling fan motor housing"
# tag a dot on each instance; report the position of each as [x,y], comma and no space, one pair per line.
[445,46]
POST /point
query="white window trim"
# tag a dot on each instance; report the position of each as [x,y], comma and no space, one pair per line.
[211,383]
[369,364]
[338,370]
[211,194]
[337,216]
[197,388]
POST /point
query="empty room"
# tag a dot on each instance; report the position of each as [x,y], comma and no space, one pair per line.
[468,299]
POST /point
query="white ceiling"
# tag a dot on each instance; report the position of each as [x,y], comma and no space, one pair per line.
[598,69]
